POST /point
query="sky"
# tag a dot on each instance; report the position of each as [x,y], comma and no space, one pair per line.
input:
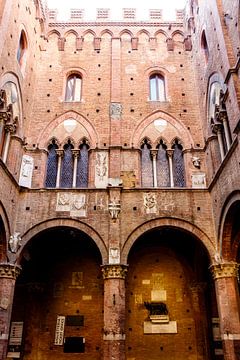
[142,7]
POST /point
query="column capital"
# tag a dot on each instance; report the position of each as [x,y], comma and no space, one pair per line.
[224,270]
[75,153]
[170,153]
[9,271]
[154,153]
[60,152]
[114,271]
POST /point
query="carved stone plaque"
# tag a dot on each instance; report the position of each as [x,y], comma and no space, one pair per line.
[73,203]
[59,332]
[150,203]
[114,256]
[115,111]
[199,181]
[101,170]
[26,171]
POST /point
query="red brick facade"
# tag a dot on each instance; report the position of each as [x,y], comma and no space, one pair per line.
[119,174]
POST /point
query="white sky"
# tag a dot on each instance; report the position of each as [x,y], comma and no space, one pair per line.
[142,7]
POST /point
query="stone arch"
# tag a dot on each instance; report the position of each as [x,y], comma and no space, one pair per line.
[70,223]
[81,122]
[228,243]
[161,32]
[126,32]
[147,125]
[70,32]
[177,35]
[167,222]
[106,32]
[53,32]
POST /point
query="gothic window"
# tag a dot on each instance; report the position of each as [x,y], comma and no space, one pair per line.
[157,88]
[73,88]
[66,179]
[52,164]
[146,162]
[204,46]
[178,165]
[163,178]
[217,115]
[22,48]
[82,166]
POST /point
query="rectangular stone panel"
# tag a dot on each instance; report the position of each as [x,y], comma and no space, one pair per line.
[170,328]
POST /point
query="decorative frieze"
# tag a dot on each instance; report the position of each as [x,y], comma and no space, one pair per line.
[114,271]
[9,271]
[224,270]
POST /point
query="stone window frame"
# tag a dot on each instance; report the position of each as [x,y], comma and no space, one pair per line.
[73,74]
[158,76]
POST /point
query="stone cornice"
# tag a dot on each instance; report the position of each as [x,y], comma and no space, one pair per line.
[114,271]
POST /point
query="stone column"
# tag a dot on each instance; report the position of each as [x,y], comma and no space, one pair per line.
[8,276]
[170,156]
[114,311]
[199,307]
[225,275]
[217,129]
[154,160]
[10,129]
[60,153]
[75,163]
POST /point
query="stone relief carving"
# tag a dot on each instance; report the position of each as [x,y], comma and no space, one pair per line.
[114,208]
[196,162]
[150,203]
[114,256]
[73,203]
[199,181]
[26,171]
[128,179]
[15,242]
[101,170]
[116,111]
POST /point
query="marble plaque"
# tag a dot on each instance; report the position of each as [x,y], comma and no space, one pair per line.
[146,282]
[101,170]
[138,299]
[170,328]
[158,295]
[26,171]
[86,297]
[199,181]
[59,332]
[157,279]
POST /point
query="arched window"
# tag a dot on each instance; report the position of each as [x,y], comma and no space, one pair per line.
[66,179]
[178,165]
[163,178]
[73,88]
[214,99]
[52,164]
[204,46]
[22,48]
[157,88]
[146,163]
[82,167]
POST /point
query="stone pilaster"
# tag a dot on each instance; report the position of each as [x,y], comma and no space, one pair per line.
[225,275]
[114,311]
[8,276]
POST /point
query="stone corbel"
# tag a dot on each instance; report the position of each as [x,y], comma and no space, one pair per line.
[224,270]
[114,271]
